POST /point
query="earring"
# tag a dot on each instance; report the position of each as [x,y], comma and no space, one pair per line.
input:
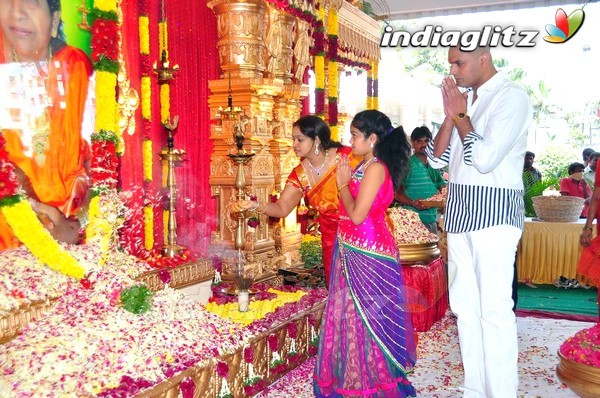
[372,145]
[316,150]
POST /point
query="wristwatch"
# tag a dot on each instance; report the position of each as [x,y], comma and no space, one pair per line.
[460,116]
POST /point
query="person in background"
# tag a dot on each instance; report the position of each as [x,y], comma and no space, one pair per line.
[47,148]
[530,174]
[586,156]
[573,185]
[422,180]
[367,342]
[589,261]
[483,139]
[589,173]
[313,178]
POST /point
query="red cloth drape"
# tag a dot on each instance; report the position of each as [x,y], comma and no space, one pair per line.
[427,292]
[192,43]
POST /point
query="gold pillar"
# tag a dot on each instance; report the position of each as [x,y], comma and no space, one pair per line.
[257,72]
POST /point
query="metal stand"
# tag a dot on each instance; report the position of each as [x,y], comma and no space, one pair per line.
[173,157]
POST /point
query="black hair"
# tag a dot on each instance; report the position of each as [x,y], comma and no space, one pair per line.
[313,127]
[574,166]
[392,146]
[420,132]
[586,153]
[529,154]
[54,6]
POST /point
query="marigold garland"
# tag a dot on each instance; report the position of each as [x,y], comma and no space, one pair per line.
[148,227]
[144,29]
[106,5]
[146,105]
[30,231]
[333,73]
[257,309]
[106,141]
[165,103]
[320,63]
[375,82]
[146,94]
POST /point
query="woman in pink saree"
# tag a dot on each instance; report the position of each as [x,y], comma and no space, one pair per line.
[367,342]
[313,178]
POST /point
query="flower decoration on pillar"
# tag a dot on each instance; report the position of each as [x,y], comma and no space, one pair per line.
[373,86]
[319,50]
[375,81]
[332,65]
[146,107]
[106,140]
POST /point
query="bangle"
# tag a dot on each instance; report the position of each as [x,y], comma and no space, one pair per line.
[588,228]
[258,210]
[255,207]
[413,203]
[342,187]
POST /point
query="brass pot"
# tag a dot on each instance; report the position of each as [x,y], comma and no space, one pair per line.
[583,380]
[412,253]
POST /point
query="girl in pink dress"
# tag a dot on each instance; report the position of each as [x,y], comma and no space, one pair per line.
[367,343]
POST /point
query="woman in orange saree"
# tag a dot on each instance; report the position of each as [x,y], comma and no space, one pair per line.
[50,154]
[313,179]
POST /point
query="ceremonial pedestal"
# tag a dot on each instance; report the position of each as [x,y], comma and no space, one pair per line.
[427,292]
[287,344]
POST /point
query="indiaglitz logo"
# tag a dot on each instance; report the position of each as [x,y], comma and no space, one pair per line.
[435,36]
[566,26]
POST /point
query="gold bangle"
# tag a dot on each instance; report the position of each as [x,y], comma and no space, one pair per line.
[588,228]
[342,187]
[258,210]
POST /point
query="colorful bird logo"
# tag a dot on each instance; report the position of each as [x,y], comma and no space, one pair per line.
[565,27]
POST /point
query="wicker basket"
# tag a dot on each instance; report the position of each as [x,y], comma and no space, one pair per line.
[558,208]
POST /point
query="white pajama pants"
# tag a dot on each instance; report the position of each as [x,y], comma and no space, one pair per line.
[480,296]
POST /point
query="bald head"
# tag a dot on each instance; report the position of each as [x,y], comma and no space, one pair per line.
[471,68]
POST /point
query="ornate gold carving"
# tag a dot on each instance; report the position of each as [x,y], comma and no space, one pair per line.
[301,50]
[128,101]
[359,32]
[240,26]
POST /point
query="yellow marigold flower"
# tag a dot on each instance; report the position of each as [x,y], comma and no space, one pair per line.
[146,100]
[332,23]
[332,90]
[106,5]
[319,71]
[144,35]
[30,231]
[165,104]
[148,228]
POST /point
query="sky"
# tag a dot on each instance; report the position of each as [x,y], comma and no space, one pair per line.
[571,69]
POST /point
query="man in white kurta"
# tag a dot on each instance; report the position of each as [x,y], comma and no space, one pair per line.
[483,141]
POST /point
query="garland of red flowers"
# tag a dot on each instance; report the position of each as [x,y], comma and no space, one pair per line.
[333,81]
[105,58]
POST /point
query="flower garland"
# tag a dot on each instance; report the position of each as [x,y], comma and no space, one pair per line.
[258,309]
[25,224]
[106,141]
[332,65]
[165,113]
[146,103]
[373,86]
[319,55]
